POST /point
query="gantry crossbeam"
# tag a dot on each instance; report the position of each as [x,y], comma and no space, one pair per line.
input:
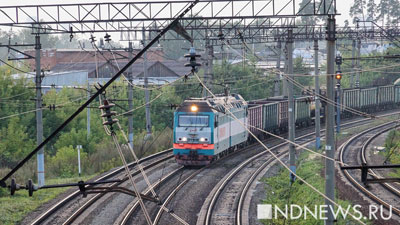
[109,17]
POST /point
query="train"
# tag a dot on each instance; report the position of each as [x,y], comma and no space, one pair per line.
[204,132]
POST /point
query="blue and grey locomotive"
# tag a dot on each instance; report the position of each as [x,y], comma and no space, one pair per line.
[205,131]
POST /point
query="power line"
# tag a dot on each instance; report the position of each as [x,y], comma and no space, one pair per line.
[12,66]
[275,156]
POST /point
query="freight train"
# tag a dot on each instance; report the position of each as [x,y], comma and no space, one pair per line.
[204,131]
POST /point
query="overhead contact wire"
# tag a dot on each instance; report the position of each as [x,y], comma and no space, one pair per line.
[274,155]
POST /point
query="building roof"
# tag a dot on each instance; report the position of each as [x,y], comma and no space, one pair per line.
[168,68]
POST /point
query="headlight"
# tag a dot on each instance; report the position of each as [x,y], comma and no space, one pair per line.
[203,139]
[184,139]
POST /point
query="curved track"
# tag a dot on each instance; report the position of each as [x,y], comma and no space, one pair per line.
[163,155]
[351,153]
[241,192]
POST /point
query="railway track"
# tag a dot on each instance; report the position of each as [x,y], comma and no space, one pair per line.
[229,197]
[352,153]
[163,156]
[163,208]
[237,191]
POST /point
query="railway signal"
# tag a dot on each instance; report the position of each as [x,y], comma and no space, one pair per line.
[338,76]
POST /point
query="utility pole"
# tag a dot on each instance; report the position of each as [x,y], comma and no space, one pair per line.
[146,91]
[358,63]
[130,98]
[278,67]
[353,55]
[243,55]
[286,71]
[39,119]
[317,101]
[222,53]
[292,150]
[88,110]
[208,74]
[330,121]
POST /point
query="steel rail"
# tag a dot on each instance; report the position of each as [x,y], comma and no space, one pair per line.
[87,204]
[75,194]
[126,217]
[240,203]
[352,180]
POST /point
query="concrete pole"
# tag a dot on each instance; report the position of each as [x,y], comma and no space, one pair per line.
[79,147]
[284,81]
[208,76]
[353,55]
[358,63]
[130,98]
[146,91]
[317,100]
[222,53]
[39,119]
[277,91]
[243,55]
[88,111]
[330,121]
[292,126]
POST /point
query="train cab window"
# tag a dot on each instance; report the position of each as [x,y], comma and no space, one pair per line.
[193,121]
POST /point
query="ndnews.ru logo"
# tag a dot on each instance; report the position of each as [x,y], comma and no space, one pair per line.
[319,212]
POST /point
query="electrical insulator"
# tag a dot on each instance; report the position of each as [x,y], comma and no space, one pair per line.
[192,56]
[71,34]
[107,38]
[52,107]
[108,113]
[92,39]
[221,35]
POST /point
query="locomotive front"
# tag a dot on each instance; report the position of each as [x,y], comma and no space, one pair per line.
[193,133]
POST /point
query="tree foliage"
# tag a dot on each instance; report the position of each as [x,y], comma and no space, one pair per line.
[357,10]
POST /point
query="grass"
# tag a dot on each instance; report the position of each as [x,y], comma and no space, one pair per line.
[279,192]
[311,168]
[14,208]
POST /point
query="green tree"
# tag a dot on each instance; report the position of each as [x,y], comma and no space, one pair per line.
[15,143]
[389,12]
[299,68]
[247,81]
[307,7]
[371,10]
[65,162]
[357,10]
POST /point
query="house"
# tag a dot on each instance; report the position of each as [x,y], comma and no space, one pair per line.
[51,57]
[158,72]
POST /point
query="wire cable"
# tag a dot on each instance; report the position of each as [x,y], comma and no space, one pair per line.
[34,110]
[15,68]
[274,155]
[6,98]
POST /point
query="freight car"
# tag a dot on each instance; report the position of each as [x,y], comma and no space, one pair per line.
[204,131]
[370,99]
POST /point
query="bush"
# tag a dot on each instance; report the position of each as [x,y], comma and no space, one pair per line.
[103,159]
[65,162]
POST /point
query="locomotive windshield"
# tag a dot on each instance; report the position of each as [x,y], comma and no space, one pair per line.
[193,121]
